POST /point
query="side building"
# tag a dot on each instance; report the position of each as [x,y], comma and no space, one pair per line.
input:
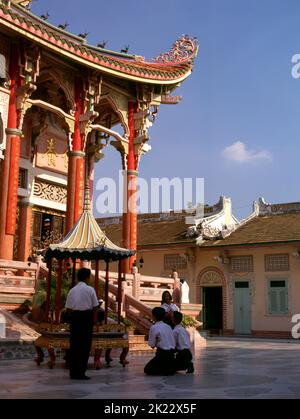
[244,273]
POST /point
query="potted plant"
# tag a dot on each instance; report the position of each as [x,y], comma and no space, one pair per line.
[129,325]
[190,324]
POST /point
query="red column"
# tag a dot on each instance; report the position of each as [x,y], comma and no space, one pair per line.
[6,241]
[119,291]
[70,191]
[125,227]
[79,188]
[131,185]
[97,278]
[132,175]
[10,169]
[24,231]
[58,291]
[73,273]
[76,163]
[106,293]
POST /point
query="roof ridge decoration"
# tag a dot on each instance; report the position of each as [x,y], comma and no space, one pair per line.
[168,69]
[183,50]
[266,208]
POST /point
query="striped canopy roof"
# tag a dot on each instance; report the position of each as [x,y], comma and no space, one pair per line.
[86,241]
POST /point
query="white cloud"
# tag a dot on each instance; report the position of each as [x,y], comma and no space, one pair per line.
[238,152]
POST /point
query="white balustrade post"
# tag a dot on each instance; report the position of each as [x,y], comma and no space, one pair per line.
[2,326]
[135,283]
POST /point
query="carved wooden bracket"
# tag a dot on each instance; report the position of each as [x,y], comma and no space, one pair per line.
[23,93]
[92,92]
[86,121]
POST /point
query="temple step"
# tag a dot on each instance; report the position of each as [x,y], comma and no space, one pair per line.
[138,343]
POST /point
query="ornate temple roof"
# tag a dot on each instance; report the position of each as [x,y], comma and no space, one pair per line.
[86,241]
[268,224]
[263,230]
[168,68]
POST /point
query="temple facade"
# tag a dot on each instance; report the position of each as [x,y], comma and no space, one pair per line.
[61,102]
[245,274]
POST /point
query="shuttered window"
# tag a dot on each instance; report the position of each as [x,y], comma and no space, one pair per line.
[278,296]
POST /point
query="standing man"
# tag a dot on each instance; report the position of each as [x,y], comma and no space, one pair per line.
[82,302]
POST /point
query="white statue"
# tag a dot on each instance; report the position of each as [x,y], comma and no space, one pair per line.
[185,289]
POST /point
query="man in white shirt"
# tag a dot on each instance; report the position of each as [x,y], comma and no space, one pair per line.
[82,302]
[184,355]
[161,337]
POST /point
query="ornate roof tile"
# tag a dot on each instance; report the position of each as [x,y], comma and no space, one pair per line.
[168,68]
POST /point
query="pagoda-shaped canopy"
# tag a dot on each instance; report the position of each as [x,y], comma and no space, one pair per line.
[86,241]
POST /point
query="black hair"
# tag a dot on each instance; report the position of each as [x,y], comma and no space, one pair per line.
[83,274]
[158,313]
[177,316]
[163,296]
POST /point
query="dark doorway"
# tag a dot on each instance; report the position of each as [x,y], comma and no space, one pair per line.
[46,227]
[212,308]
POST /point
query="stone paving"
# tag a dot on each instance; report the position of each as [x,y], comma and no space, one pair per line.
[226,368]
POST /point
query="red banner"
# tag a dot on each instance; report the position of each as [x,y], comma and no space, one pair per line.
[12,201]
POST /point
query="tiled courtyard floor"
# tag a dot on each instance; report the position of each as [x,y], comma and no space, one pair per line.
[225,369]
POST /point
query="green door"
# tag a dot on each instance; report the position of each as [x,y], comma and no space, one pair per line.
[242,313]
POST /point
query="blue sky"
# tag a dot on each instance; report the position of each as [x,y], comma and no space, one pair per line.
[238,125]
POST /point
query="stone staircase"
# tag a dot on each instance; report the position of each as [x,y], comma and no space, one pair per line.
[17,283]
[18,340]
[138,344]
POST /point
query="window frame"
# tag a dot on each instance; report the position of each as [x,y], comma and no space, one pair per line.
[243,271]
[168,267]
[278,313]
[266,256]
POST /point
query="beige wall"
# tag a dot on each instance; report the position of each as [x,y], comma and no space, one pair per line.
[203,261]
[261,320]
[154,262]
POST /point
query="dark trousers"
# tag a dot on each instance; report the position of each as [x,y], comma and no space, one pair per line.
[81,333]
[183,360]
[162,364]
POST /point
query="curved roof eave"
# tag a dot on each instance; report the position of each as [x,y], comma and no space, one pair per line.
[164,71]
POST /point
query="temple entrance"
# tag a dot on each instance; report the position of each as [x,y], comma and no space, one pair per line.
[212,309]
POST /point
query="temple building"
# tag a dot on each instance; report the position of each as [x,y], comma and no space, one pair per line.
[245,274]
[62,101]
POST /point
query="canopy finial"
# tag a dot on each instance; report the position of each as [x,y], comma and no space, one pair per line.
[87,196]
